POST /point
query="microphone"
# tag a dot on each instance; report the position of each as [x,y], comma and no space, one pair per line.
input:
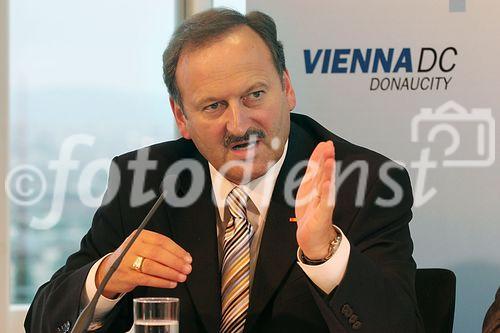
[85,317]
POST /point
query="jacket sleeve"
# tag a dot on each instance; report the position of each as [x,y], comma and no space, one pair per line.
[377,293]
[56,305]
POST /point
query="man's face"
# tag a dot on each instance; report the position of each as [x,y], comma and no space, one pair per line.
[231,92]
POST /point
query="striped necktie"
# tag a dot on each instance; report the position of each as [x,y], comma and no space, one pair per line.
[236,264]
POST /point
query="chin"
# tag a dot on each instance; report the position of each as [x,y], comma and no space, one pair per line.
[259,171]
[240,177]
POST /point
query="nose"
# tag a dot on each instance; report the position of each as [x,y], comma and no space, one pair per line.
[238,120]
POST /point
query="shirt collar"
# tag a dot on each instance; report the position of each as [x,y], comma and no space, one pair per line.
[259,190]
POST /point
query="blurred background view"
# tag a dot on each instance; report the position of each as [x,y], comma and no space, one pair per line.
[79,67]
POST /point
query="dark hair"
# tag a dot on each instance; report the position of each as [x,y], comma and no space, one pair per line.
[207,26]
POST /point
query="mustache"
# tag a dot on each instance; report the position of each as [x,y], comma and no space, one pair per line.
[251,133]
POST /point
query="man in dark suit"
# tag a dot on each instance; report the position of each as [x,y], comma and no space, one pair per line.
[250,252]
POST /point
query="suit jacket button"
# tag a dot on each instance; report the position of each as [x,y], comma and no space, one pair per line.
[357,325]
[353,319]
[346,310]
[64,328]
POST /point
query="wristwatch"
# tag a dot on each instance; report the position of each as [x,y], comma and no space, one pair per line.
[332,248]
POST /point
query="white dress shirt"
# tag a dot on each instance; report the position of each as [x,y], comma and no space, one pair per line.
[326,276]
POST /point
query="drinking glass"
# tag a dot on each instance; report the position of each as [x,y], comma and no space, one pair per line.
[156,315]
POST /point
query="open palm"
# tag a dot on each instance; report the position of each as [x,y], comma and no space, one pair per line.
[315,202]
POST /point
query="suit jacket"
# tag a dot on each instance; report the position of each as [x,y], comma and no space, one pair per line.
[491,323]
[377,292]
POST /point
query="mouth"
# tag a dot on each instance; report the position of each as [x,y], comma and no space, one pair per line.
[244,146]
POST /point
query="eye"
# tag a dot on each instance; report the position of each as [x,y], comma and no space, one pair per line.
[254,98]
[257,94]
[212,107]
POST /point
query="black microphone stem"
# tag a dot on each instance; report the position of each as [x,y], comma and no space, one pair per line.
[85,318]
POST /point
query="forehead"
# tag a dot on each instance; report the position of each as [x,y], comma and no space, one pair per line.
[233,62]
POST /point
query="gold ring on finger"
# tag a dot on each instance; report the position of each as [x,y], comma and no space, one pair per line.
[137,264]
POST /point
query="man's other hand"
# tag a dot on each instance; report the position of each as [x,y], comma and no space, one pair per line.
[165,264]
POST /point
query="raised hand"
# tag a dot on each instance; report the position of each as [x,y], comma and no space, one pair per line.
[315,203]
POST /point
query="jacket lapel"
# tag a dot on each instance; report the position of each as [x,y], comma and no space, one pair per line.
[278,247]
[194,228]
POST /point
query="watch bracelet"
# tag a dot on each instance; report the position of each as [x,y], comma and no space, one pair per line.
[332,249]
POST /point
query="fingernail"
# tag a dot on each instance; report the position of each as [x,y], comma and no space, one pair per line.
[188,258]
[187,269]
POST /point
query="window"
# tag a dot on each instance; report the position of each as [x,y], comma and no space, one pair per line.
[85,75]
[4,256]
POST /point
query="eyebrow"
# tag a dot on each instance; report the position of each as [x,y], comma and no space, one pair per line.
[256,85]
[259,84]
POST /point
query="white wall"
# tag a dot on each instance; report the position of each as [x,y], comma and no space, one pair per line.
[459,227]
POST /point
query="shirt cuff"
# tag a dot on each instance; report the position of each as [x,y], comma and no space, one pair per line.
[329,274]
[104,304]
